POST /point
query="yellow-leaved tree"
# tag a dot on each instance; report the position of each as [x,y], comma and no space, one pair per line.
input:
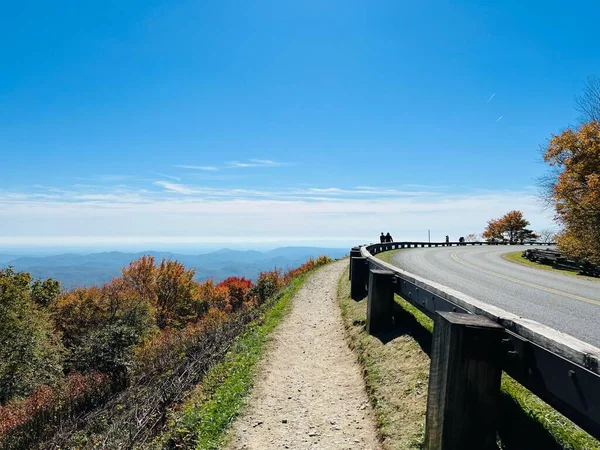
[575,190]
[511,228]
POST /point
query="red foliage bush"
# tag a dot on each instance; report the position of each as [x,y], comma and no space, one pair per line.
[237,289]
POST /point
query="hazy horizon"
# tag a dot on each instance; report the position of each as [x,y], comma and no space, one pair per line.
[77,269]
[179,249]
[84,245]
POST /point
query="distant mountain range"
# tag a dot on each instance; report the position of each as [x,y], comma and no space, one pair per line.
[75,270]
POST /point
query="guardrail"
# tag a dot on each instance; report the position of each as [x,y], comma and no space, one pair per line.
[447,244]
[473,342]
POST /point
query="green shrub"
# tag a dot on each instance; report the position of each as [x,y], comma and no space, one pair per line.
[30,353]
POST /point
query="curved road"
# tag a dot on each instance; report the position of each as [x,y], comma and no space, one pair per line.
[566,303]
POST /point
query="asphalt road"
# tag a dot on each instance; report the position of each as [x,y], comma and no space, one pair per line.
[566,303]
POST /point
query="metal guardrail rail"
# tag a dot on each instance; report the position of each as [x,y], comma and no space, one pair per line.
[558,368]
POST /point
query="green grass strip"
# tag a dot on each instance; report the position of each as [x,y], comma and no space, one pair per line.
[561,430]
[387,256]
[517,257]
[214,406]
[395,374]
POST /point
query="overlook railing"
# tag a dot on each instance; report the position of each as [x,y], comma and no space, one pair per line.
[472,343]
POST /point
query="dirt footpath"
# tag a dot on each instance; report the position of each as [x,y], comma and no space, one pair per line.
[309,393]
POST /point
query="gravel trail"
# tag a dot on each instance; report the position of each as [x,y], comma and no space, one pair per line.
[309,392]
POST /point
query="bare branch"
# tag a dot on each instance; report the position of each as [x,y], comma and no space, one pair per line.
[588,103]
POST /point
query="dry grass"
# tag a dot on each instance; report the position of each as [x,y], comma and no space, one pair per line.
[396,374]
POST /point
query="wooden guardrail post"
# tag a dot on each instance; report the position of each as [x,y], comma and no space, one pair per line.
[353,254]
[464,382]
[360,271]
[380,302]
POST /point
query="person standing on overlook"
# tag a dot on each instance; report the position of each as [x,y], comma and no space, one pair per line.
[388,237]
[382,238]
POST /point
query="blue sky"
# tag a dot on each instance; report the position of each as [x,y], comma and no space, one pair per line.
[141,123]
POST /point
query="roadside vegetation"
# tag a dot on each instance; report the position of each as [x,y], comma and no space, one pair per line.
[572,186]
[517,257]
[396,369]
[387,256]
[105,366]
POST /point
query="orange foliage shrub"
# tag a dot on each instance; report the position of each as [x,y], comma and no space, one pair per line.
[215,296]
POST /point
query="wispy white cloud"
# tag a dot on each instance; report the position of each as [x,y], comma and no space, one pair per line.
[267,162]
[110,178]
[491,97]
[499,118]
[181,192]
[254,163]
[170,177]
[307,193]
[192,167]
[178,213]
[233,165]
[176,188]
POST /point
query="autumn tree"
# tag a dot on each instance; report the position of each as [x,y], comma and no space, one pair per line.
[510,228]
[100,325]
[77,311]
[169,287]
[494,231]
[176,299]
[140,276]
[575,190]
